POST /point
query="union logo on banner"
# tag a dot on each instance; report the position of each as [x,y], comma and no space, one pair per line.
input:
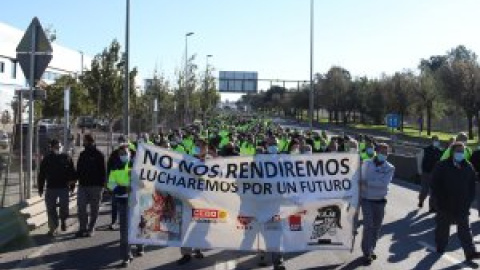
[274,224]
[245,222]
[208,215]
[295,221]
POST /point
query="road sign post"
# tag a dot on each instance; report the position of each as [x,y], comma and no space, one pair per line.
[66,124]
[154,117]
[34,53]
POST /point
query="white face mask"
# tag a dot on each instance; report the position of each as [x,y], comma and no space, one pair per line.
[272,149]
[125,158]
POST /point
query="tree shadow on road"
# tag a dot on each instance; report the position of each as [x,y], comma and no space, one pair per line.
[99,257]
[208,261]
[429,261]
[406,241]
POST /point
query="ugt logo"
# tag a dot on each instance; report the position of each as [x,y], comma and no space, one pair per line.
[295,221]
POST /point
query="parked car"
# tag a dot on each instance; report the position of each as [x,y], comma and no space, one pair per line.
[86,122]
[46,122]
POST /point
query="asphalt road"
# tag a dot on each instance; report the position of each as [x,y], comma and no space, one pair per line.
[406,243]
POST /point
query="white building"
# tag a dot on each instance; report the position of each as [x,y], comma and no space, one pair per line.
[64,61]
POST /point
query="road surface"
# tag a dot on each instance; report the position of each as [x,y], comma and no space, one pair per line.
[406,243]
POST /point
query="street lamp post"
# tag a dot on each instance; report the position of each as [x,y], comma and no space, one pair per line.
[207,99]
[310,112]
[126,96]
[186,118]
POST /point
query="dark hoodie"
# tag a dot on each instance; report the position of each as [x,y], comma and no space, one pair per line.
[91,168]
[454,187]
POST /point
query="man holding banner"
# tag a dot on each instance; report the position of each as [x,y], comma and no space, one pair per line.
[119,184]
[377,173]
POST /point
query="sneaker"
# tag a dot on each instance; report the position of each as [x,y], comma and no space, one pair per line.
[52,232]
[373,256]
[367,260]
[279,266]
[199,254]
[474,256]
[113,227]
[90,233]
[184,260]
[63,226]
[262,262]
[139,253]
[126,263]
[80,234]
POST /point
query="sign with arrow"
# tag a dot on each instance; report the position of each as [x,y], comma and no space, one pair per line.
[34,42]
[393,120]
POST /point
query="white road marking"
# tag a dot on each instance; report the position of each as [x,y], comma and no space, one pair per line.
[228,265]
[444,256]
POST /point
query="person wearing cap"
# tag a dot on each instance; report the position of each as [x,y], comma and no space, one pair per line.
[431,156]
[91,173]
[463,138]
[57,173]
[453,185]
[119,184]
[377,173]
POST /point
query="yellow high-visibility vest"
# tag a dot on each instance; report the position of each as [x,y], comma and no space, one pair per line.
[119,177]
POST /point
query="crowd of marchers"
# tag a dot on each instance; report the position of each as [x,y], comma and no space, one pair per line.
[448,176]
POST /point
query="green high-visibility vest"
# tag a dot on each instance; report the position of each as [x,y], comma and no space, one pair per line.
[180,149]
[448,152]
[364,156]
[247,149]
[188,144]
[362,146]
[317,145]
[283,145]
[224,141]
[119,177]
[132,146]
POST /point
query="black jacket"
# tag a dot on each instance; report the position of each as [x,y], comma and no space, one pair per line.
[113,162]
[57,171]
[431,155]
[454,188]
[475,160]
[91,168]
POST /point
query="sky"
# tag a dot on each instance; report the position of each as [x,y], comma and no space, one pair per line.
[272,37]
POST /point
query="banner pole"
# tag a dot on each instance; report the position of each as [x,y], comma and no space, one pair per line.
[357,209]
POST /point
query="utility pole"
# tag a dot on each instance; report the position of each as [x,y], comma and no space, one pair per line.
[310,111]
[187,96]
[126,92]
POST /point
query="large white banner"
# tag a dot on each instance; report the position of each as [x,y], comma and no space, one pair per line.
[265,202]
